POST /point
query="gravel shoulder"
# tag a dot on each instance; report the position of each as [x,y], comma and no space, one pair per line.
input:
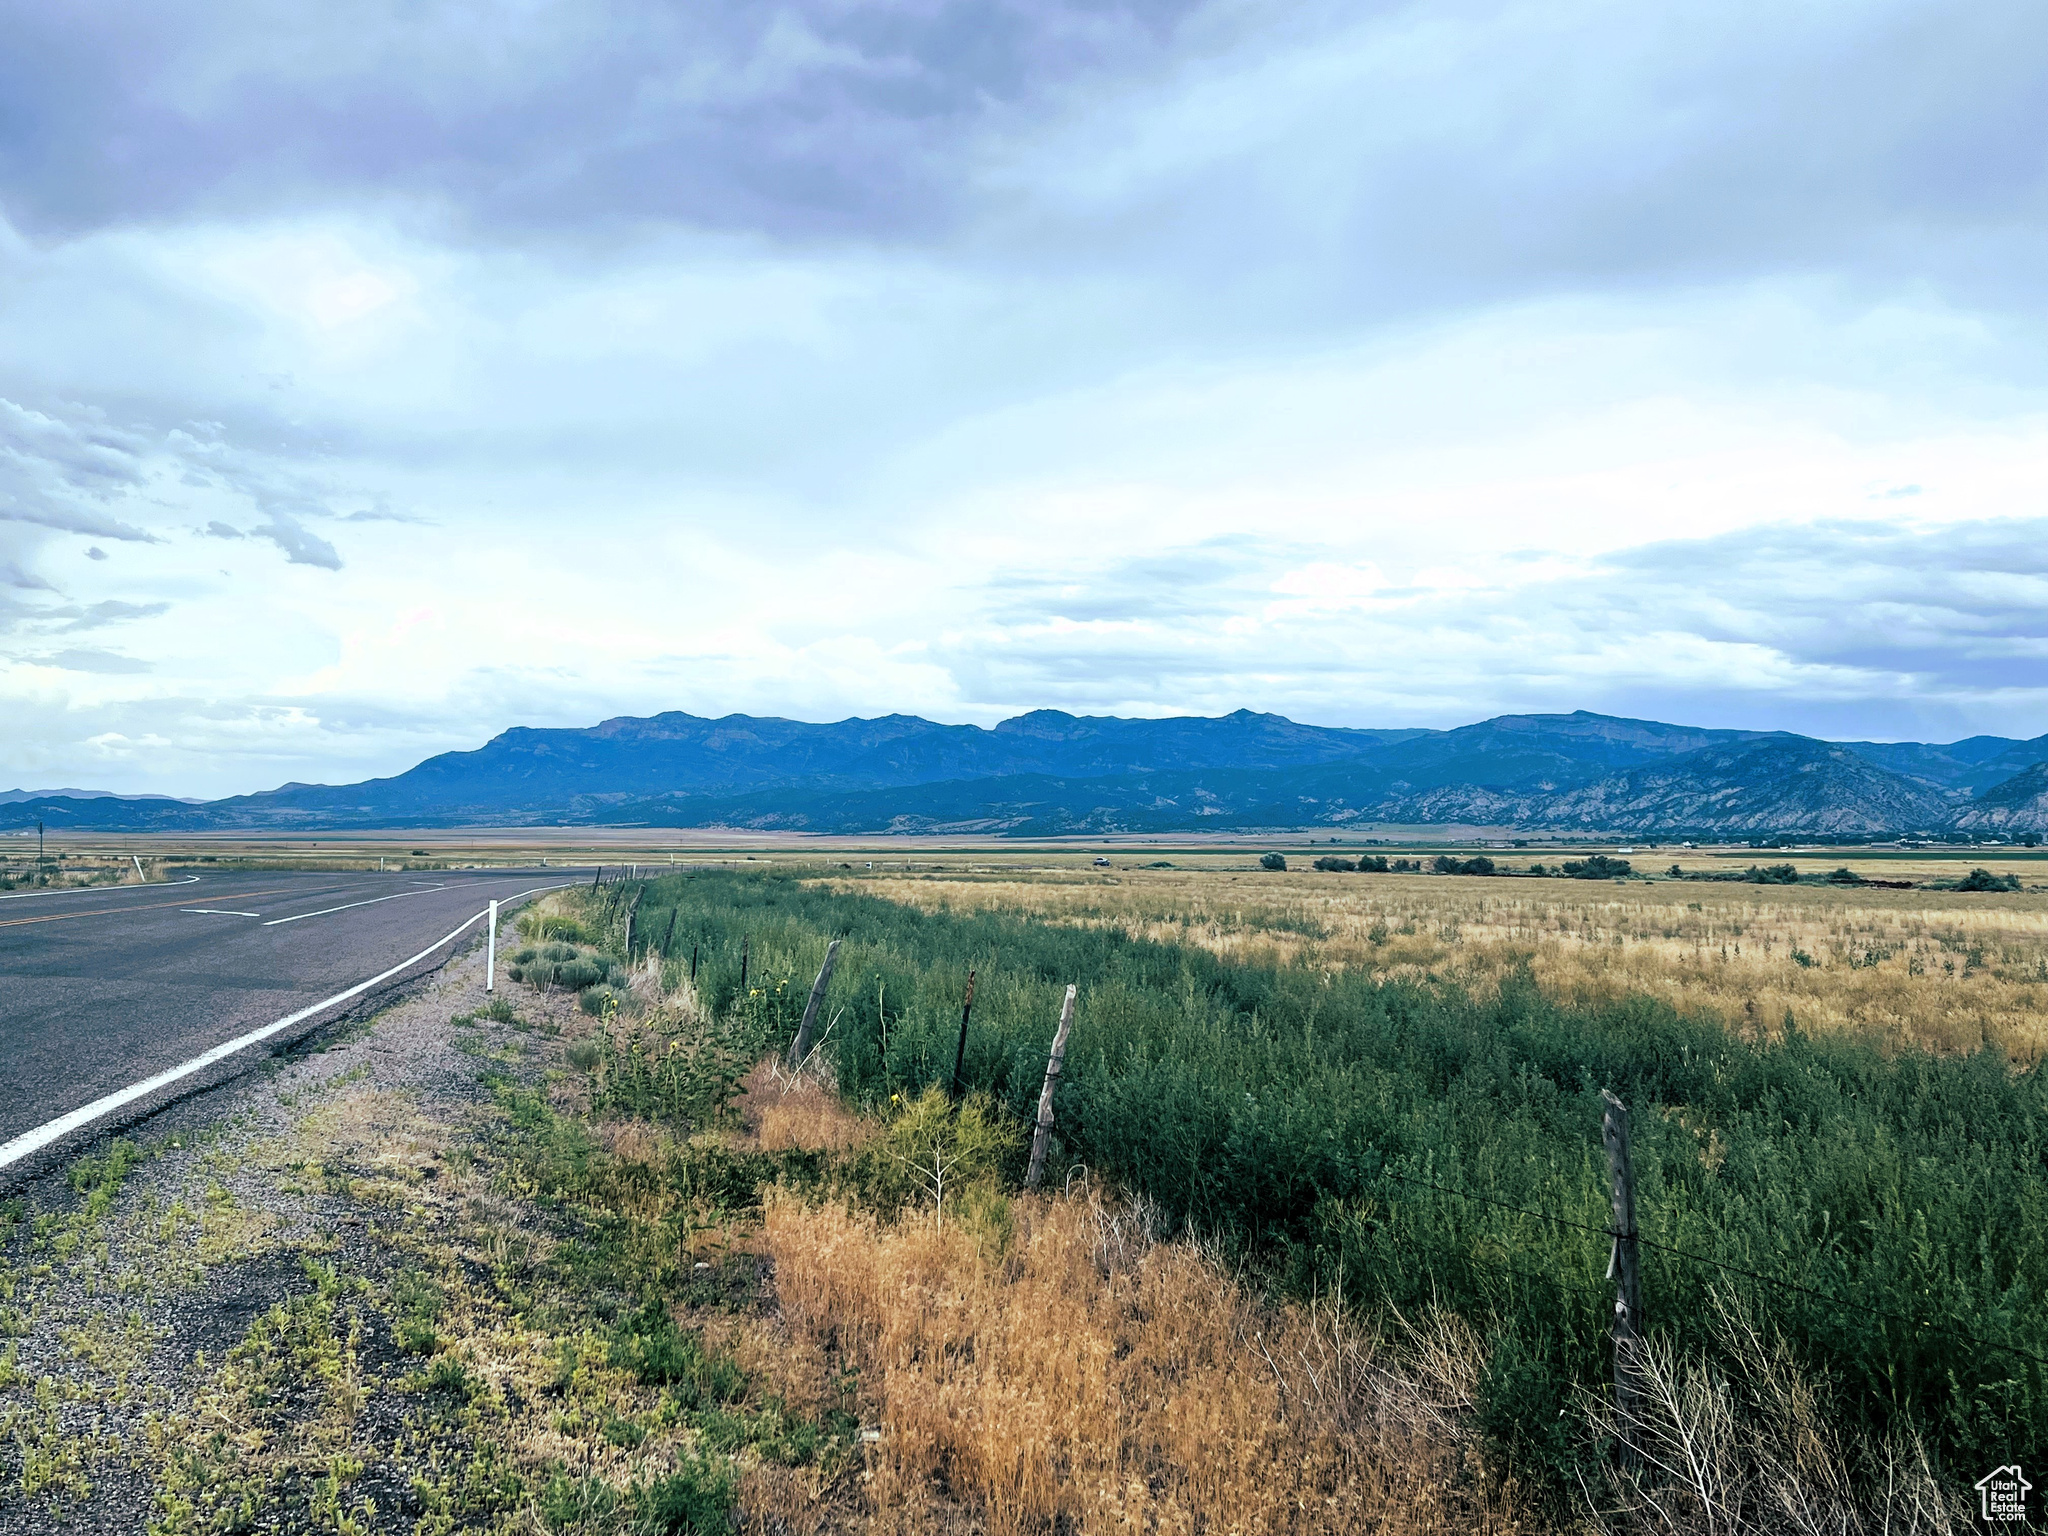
[243,1312]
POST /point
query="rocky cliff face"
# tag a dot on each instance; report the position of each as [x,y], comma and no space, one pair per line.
[2020,804]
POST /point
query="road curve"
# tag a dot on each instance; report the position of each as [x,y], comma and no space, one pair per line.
[103,989]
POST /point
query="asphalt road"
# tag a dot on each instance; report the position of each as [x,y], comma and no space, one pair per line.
[102,989]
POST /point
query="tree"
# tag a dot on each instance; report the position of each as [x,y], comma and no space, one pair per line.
[1272,861]
[1984,880]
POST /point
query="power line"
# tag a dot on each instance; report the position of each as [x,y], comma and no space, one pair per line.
[1733,1269]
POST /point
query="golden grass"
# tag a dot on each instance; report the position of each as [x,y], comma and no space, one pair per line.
[1940,969]
[1084,1377]
[783,1111]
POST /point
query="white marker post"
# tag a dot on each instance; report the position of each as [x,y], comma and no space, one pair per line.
[491,961]
[138,870]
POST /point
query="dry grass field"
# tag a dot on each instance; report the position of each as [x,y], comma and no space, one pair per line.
[1948,970]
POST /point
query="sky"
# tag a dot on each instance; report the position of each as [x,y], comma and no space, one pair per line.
[376,377]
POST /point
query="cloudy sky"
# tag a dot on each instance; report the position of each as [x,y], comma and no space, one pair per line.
[376,379]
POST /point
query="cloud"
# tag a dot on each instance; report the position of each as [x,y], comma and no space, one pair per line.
[95,553]
[1869,628]
[106,662]
[300,546]
[803,118]
[98,615]
[220,530]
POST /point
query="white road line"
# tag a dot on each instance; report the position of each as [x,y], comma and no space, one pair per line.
[216,912]
[102,890]
[348,904]
[55,1130]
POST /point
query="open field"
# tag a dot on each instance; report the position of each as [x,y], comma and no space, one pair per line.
[1950,971]
[653,848]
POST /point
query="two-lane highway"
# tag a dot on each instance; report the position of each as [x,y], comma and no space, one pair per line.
[108,988]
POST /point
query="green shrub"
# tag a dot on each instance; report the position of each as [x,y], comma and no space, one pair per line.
[933,1152]
[598,999]
[649,1344]
[558,965]
[1596,866]
[1333,863]
[1272,861]
[1772,874]
[674,1069]
[695,1500]
[1984,880]
[540,927]
[416,1303]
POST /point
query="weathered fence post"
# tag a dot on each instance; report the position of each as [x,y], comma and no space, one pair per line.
[1623,1270]
[673,914]
[1043,1134]
[960,1054]
[743,964]
[693,962]
[801,1046]
[595,878]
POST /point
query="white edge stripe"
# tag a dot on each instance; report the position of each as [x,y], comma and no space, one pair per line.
[428,891]
[55,1130]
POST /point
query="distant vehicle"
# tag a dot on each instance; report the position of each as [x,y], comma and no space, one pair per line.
[1101,863]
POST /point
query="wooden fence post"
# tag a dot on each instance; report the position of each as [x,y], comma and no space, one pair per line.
[801,1046]
[693,962]
[1622,1268]
[960,1053]
[1043,1133]
[743,964]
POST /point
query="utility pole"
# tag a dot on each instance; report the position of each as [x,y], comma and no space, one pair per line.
[1623,1270]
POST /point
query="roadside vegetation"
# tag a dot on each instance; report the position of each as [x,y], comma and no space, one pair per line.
[67,871]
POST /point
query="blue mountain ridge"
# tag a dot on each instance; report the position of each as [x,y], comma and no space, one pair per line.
[1048,771]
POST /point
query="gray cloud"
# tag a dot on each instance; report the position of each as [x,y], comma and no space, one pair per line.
[812,116]
[1455,155]
[300,546]
[220,530]
[91,661]
[1209,579]
[1956,608]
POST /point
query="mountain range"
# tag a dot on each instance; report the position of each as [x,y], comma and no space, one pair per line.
[1049,773]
